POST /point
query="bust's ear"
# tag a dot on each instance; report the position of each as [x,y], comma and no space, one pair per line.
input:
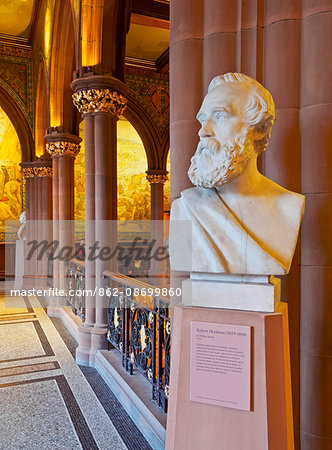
[258,135]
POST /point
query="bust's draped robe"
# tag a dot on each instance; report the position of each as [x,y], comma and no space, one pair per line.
[206,236]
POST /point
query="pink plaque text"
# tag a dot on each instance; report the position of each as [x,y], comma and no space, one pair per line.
[220,365]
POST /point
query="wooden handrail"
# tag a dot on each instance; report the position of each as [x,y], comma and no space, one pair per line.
[133,282]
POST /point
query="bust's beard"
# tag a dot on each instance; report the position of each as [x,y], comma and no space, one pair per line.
[214,164]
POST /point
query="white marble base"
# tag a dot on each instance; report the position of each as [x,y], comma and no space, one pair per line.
[240,295]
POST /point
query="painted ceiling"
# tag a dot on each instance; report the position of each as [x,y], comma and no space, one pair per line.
[15,17]
[147,43]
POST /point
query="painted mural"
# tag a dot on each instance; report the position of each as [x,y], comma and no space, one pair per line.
[10,172]
[133,188]
[16,76]
[79,179]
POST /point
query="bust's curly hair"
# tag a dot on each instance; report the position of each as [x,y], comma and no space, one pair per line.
[260,110]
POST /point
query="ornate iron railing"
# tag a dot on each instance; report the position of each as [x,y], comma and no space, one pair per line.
[75,281]
[139,328]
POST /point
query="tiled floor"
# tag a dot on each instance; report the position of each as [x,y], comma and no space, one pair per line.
[46,400]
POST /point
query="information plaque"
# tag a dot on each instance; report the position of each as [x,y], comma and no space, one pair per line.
[220,365]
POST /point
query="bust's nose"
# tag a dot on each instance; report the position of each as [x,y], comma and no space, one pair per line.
[206,130]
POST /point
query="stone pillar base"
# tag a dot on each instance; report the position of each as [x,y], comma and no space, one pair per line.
[84,346]
[91,339]
[269,423]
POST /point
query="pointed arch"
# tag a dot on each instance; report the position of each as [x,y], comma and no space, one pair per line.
[147,130]
[19,122]
[42,110]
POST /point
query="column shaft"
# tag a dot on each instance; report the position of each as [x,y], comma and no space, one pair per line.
[55,217]
[186,75]
[28,206]
[105,201]
[34,223]
[157,230]
[90,270]
[316,257]
[46,216]
[66,208]
[39,222]
[282,159]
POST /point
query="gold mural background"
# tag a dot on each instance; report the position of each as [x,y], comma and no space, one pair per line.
[133,188]
[10,172]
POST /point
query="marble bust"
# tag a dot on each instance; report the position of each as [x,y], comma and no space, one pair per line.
[241,222]
[21,231]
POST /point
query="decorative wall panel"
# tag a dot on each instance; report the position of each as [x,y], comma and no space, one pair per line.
[151,90]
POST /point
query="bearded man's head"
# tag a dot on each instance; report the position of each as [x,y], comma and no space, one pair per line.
[236,115]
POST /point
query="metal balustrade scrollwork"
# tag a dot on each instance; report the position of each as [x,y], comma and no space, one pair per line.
[75,286]
[139,328]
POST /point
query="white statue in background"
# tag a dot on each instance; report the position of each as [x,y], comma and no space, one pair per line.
[21,231]
[241,222]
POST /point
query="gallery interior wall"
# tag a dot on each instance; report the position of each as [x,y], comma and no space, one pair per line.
[285,45]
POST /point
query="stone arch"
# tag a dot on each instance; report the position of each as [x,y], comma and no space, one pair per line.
[147,130]
[19,122]
[42,110]
[165,147]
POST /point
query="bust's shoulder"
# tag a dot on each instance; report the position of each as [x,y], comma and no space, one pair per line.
[196,193]
[285,198]
[189,198]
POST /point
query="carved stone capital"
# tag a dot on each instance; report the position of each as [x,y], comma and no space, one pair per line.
[100,100]
[62,148]
[30,172]
[156,176]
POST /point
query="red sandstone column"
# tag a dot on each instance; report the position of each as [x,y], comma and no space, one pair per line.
[39,222]
[46,214]
[64,147]
[34,223]
[316,243]
[105,201]
[249,39]
[27,174]
[157,178]
[282,159]
[90,271]
[219,47]
[186,58]
[43,173]
[38,176]
[104,97]
[55,214]
[66,212]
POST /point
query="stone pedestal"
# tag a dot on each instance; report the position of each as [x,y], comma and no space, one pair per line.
[269,423]
[248,293]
